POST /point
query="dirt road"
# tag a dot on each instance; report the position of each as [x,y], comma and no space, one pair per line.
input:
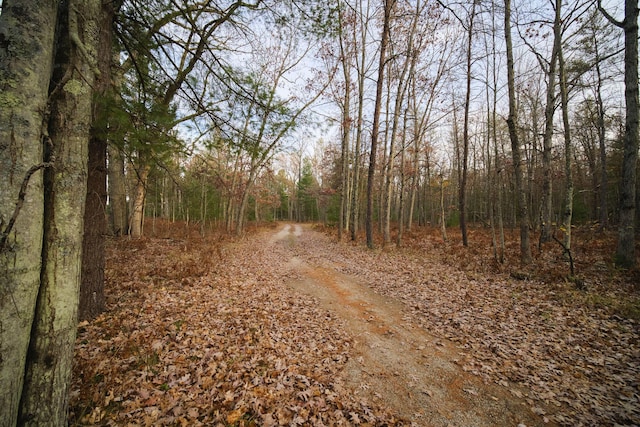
[395,362]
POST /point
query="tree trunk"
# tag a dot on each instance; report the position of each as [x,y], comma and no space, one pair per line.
[245,201]
[25,71]
[407,68]
[117,192]
[498,183]
[462,198]
[386,156]
[49,361]
[361,66]
[604,179]
[402,181]
[388,5]
[203,205]
[346,133]
[521,196]
[140,193]
[495,190]
[626,250]
[564,99]
[546,211]
[92,298]
[355,189]
[443,218]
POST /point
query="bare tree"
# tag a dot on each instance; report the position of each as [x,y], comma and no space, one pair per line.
[626,250]
[345,57]
[406,70]
[512,121]
[388,6]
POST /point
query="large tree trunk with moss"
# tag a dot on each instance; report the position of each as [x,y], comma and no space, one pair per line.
[27,33]
[48,368]
[41,251]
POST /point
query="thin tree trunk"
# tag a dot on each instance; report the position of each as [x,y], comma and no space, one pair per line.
[498,182]
[117,192]
[443,218]
[407,68]
[604,180]
[465,133]
[140,192]
[402,179]
[386,156]
[355,193]
[415,163]
[520,193]
[547,203]
[390,164]
[346,133]
[495,191]
[388,5]
[245,201]
[203,204]
[564,99]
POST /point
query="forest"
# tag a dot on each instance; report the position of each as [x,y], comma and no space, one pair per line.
[144,145]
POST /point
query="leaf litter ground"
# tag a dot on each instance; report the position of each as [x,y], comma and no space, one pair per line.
[255,332]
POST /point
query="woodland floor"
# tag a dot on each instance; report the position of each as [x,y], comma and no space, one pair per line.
[290,327]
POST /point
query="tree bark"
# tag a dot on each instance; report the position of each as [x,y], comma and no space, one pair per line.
[626,249]
[343,219]
[27,31]
[604,179]
[388,5]
[522,215]
[140,192]
[361,68]
[443,218]
[564,100]
[388,179]
[245,200]
[462,196]
[48,369]
[117,192]
[401,202]
[92,298]
[408,68]
[547,204]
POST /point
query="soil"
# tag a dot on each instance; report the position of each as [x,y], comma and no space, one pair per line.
[287,326]
[397,363]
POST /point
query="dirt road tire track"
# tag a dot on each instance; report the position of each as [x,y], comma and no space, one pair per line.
[396,363]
